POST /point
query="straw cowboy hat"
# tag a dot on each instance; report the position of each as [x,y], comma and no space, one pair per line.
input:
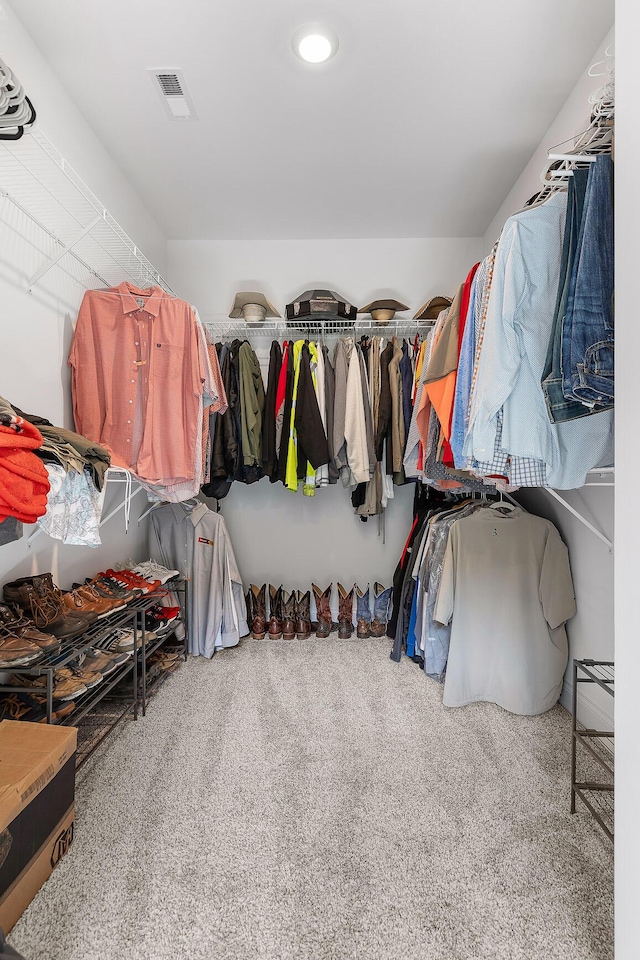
[252,307]
[433,307]
[383,310]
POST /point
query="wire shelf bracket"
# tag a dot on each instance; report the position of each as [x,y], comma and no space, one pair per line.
[113,475]
[604,471]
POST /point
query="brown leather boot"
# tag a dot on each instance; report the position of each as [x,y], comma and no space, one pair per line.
[41,600]
[323,610]
[288,615]
[345,612]
[249,602]
[303,615]
[259,611]
[275,613]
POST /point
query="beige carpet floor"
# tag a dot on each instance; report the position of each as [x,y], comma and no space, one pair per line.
[315,800]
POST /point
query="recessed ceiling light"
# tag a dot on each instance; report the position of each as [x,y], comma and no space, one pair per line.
[314,44]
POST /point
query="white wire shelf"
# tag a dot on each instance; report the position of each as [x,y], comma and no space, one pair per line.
[39,182]
[224,329]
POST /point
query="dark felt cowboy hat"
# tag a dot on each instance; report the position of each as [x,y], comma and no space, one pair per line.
[320,305]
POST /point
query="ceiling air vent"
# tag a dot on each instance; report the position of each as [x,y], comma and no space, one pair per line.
[173,92]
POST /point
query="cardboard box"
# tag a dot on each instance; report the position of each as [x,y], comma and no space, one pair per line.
[37,787]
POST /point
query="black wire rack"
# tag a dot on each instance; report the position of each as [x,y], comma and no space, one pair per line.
[124,691]
[596,794]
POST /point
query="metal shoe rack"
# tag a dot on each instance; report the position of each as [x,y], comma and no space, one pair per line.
[596,794]
[147,689]
[125,691]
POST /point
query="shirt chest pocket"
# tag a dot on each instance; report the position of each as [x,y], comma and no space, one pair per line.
[167,361]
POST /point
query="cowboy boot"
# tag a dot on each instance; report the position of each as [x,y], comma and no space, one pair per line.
[363,629]
[323,611]
[303,615]
[275,613]
[249,602]
[381,601]
[259,611]
[345,612]
[288,615]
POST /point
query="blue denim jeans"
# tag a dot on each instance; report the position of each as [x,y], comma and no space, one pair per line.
[558,407]
[587,334]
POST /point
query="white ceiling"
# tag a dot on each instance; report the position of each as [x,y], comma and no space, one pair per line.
[417,128]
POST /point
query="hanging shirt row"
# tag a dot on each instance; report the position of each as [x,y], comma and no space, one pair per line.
[322,418]
[481,597]
[516,379]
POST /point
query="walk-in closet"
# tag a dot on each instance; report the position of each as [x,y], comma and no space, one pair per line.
[318,549]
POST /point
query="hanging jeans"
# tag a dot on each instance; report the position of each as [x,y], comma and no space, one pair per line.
[558,407]
[587,334]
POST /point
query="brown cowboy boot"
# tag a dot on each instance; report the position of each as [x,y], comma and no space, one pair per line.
[249,602]
[288,615]
[259,612]
[345,612]
[323,610]
[275,613]
[303,615]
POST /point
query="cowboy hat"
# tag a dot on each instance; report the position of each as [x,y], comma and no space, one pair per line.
[320,305]
[383,310]
[433,307]
[252,306]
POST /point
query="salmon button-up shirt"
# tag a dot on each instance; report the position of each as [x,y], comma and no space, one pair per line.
[137,380]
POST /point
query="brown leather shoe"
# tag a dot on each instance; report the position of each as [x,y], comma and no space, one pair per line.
[20,626]
[110,604]
[65,687]
[288,615]
[90,678]
[259,612]
[323,610]
[275,612]
[15,652]
[76,603]
[303,615]
[345,612]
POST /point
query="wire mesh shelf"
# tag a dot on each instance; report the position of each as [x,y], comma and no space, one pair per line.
[221,329]
[601,672]
[39,182]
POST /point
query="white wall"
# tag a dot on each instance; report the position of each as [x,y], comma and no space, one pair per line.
[211,272]
[571,120]
[37,327]
[627,516]
[291,538]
